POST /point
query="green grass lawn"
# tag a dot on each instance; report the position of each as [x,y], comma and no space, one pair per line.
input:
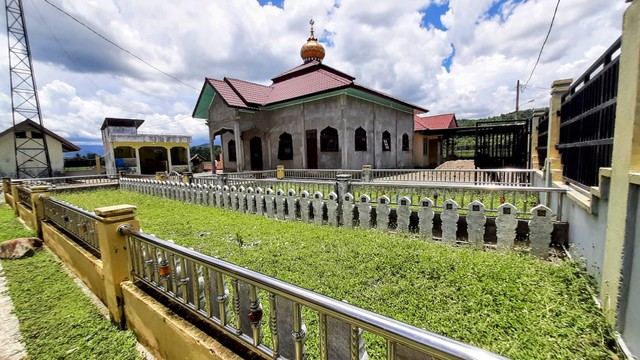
[508,303]
[57,320]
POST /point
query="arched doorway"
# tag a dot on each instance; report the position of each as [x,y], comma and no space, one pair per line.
[255,147]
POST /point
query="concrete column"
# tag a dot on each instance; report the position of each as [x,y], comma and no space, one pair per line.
[189,158]
[138,166]
[169,162]
[537,114]
[6,189]
[37,192]
[343,141]
[626,159]
[553,164]
[14,194]
[113,251]
[98,165]
[239,147]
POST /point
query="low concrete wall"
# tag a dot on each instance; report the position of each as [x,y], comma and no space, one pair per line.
[27,216]
[83,264]
[164,333]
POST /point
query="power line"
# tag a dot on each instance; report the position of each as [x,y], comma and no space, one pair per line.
[543,43]
[83,74]
[120,47]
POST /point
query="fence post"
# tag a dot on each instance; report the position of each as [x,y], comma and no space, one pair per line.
[553,164]
[222,179]
[113,251]
[626,159]
[37,206]
[535,132]
[6,189]
[366,173]
[343,186]
[14,194]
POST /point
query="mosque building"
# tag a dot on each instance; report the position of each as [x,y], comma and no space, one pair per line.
[311,117]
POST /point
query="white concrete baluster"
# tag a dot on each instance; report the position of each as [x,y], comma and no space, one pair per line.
[506,224]
[382,213]
[318,208]
[475,224]
[347,211]
[364,211]
[304,206]
[403,214]
[280,200]
[449,219]
[425,218]
[292,205]
[332,209]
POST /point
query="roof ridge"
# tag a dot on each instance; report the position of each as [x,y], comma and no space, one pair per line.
[249,82]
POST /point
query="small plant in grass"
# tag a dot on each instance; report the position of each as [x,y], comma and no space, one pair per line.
[508,303]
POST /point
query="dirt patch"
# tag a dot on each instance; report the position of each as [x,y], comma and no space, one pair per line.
[457,165]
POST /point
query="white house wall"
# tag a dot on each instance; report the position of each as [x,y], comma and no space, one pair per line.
[8,159]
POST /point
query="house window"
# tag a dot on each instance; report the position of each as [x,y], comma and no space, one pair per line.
[21,134]
[386,141]
[231,149]
[285,147]
[405,142]
[361,139]
[329,139]
[425,147]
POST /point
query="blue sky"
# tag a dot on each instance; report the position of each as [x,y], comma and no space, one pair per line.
[457,56]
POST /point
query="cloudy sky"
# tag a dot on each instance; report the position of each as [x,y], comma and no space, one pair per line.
[461,56]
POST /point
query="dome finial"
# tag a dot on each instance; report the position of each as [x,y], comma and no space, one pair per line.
[312,50]
[311,22]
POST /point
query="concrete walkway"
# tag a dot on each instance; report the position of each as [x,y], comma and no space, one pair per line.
[12,347]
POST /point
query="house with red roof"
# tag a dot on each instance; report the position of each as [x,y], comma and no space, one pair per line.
[427,142]
[312,117]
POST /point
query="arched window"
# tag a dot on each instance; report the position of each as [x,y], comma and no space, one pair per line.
[231,150]
[405,142]
[329,139]
[285,147]
[360,139]
[386,141]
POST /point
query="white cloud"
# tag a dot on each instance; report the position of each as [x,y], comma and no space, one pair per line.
[381,43]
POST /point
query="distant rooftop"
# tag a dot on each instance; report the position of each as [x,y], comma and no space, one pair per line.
[121,122]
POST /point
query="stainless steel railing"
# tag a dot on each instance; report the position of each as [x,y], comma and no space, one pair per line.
[227,296]
[79,223]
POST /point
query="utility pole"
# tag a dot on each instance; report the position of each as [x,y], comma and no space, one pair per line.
[31,151]
[517,98]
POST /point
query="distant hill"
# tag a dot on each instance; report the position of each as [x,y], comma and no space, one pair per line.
[522,115]
[85,149]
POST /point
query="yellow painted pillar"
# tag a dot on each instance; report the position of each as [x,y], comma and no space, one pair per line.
[113,252]
[6,189]
[37,206]
[626,158]
[553,164]
[537,115]
[14,194]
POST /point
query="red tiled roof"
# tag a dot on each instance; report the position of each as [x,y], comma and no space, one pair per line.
[227,93]
[250,92]
[443,121]
[306,79]
[307,84]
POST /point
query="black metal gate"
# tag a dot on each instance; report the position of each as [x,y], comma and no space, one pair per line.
[491,144]
[500,145]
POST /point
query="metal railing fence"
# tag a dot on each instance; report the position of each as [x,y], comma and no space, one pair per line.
[79,223]
[245,305]
[24,196]
[72,180]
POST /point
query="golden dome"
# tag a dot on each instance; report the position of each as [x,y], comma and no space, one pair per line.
[312,49]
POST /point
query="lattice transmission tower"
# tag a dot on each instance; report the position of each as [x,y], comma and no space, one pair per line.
[32,154]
